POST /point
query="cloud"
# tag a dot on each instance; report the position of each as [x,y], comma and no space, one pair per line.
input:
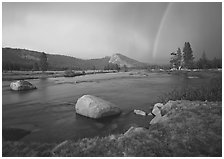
[93,30]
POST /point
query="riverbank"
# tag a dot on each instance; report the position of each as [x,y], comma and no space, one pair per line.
[193,128]
[24,75]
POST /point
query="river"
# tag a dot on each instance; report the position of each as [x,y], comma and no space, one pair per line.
[48,112]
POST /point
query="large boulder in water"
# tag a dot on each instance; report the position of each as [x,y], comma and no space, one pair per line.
[94,107]
[21,85]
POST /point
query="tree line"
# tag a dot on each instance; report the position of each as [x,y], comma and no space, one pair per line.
[185,59]
[42,65]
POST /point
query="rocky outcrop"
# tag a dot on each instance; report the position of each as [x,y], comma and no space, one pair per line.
[122,60]
[94,107]
[160,111]
[21,85]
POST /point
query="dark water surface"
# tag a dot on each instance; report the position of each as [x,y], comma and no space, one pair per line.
[48,112]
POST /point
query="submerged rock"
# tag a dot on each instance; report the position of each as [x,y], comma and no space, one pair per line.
[94,107]
[140,112]
[21,85]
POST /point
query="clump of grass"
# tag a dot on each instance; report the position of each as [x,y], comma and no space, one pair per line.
[21,149]
[212,92]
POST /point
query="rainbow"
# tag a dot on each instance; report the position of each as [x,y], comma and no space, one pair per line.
[159,30]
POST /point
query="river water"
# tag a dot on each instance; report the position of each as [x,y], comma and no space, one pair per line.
[48,112]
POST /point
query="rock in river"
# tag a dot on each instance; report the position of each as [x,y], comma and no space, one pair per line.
[94,107]
[140,112]
[21,85]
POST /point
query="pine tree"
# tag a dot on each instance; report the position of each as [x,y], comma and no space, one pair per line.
[187,55]
[179,58]
[43,62]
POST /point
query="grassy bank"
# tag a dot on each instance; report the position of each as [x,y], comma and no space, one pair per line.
[193,129]
[211,92]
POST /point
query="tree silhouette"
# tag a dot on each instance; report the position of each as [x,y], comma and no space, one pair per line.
[187,55]
[179,58]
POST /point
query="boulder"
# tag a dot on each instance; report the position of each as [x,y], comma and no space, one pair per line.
[21,85]
[156,111]
[167,107]
[158,105]
[94,107]
[158,119]
[140,112]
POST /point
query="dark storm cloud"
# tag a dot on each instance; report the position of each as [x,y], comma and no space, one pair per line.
[144,31]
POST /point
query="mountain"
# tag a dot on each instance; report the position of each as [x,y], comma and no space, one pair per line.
[122,60]
[15,59]
[22,59]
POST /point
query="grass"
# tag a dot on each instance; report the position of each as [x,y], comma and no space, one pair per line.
[212,92]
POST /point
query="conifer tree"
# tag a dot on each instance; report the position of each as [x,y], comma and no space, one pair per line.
[187,55]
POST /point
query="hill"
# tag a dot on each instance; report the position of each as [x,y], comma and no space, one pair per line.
[122,60]
[22,59]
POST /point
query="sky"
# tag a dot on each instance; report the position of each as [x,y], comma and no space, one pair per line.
[145,31]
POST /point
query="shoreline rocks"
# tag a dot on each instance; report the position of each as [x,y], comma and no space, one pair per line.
[94,107]
[160,111]
[22,85]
